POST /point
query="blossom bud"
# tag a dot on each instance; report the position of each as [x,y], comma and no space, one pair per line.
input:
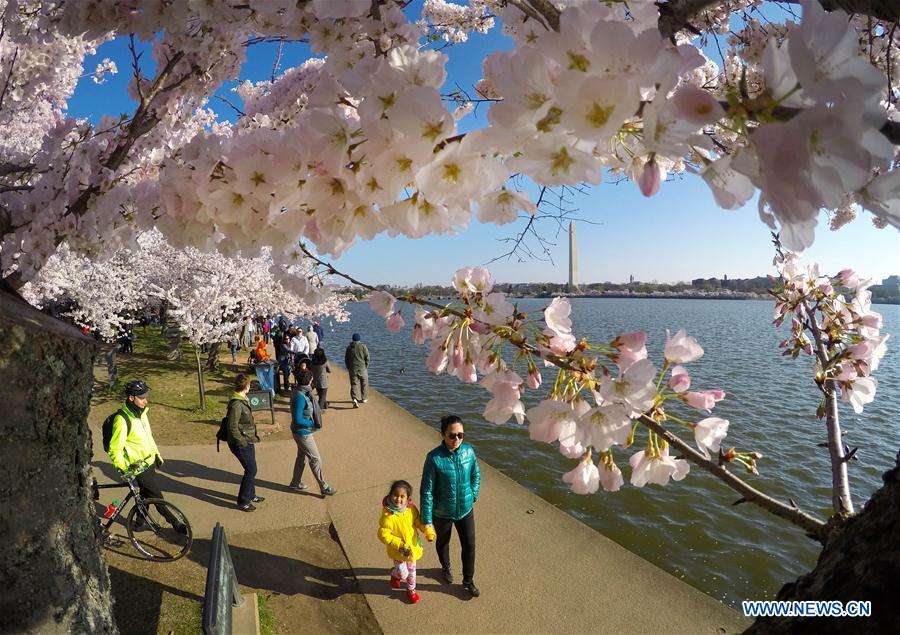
[650,178]
[534,378]
[395,323]
[458,356]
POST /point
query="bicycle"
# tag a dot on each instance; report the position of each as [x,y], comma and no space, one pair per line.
[159,540]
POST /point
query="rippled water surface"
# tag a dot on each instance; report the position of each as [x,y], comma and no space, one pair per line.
[689,528]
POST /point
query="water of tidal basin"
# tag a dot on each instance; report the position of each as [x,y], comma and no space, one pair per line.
[689,528]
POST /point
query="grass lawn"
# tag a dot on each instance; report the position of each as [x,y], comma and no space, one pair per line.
[175,413]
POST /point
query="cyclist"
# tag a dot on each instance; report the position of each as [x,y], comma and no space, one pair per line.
[132,448]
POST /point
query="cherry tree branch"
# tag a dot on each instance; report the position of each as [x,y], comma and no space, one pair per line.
[814,527]
[141,123]
[840,482]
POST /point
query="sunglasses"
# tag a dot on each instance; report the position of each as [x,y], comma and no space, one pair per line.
[456,435]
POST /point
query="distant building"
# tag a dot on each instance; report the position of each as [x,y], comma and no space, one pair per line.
[573,259]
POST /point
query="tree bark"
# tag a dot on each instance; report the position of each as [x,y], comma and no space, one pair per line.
[861,561]
[212,357]
[200,378]
[53,578]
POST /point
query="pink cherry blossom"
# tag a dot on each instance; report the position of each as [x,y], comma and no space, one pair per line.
[859,392]
[506,390]
[681,349]
[610,476]
[437,360]
[656,469]
[545,420]
[418,334]
[584,478]
[534,378]
[679,380]
[703,399]
[708,434]
[604,426]
[395,323]
[556,317]
[382,303]
[633,388]
[651,177]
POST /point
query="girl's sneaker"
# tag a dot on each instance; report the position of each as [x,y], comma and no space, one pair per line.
[395,582]
[413,596]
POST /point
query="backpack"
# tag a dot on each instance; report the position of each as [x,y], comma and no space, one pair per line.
[108,428]
[222,432]
[299,420]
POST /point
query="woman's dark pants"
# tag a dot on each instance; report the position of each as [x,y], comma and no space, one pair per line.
[247,457]
[465,527]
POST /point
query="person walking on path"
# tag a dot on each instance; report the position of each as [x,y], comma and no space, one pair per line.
[399,529]
[318,329]
[242,440]
[356,359]
[320,369]
[233,345]
[313,338]
[450,484]
[306,418]
[132,448]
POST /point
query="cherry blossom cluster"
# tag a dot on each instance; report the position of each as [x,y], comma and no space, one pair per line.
[359,141]
[453,22]
[104,68]
[602,92]
[836,311]
[207,294]
[600,392]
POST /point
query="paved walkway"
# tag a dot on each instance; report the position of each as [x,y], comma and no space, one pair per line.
[539,569]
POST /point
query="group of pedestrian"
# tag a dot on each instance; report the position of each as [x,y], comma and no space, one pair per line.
[450,482]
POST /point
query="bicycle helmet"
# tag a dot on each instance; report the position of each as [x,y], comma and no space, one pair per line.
[136,388]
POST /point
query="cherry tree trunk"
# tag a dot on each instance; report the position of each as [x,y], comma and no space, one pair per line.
[860,562]
[212,356]
[200,378]
[53,578]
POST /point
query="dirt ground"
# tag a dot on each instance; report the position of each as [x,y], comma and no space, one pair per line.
[301,572]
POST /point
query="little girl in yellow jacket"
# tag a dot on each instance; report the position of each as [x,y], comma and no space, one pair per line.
[398,529]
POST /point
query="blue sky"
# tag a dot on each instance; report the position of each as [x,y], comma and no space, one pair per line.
[677,235]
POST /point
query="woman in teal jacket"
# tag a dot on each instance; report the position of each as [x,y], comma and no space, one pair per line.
[450,483]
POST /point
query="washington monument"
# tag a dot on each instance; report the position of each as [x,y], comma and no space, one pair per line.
[573,259]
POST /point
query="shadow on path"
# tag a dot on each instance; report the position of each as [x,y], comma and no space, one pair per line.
[292,576]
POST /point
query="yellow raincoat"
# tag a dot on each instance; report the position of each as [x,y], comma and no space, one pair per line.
[398,529]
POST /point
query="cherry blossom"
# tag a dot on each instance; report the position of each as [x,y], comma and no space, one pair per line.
[584,478]
[709,432]
[681,348]
[656,467]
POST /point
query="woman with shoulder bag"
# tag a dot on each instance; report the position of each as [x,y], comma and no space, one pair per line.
[320,370]
[242,438]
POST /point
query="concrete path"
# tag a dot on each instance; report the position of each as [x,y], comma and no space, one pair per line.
[539,569]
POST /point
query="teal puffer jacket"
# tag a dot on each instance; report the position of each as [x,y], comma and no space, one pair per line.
[450,483]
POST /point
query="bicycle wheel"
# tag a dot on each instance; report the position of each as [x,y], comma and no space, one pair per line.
[153,529]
